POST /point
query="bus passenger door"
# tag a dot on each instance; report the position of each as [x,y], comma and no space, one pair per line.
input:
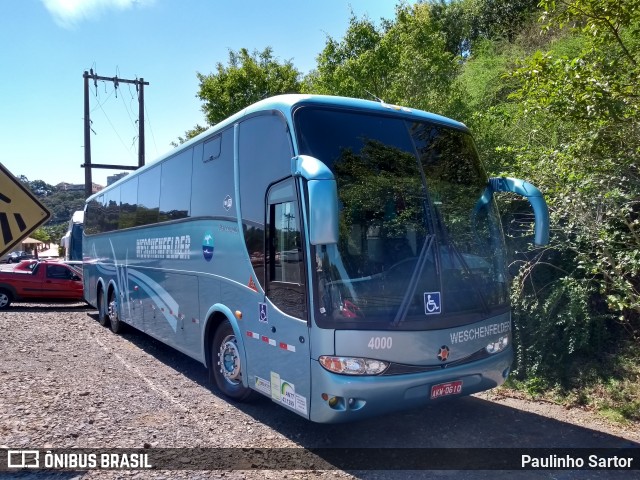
[279,356]
[286,300]
[276,336]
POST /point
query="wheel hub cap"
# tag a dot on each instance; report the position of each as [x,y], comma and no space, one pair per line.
[229,357]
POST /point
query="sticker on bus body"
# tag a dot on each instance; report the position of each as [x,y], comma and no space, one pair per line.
[432,303]
[284,392]
[264,317]
[263,385]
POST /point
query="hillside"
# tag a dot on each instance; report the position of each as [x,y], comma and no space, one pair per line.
[61,200]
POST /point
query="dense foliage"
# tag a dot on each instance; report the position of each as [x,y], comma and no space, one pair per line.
[248,78]
[584,110]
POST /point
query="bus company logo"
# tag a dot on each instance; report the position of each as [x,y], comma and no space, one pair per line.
[443,353]
[227,203]
[23,459]
[207,246]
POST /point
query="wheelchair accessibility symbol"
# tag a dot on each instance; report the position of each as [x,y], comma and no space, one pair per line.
[263,313]
[432,303]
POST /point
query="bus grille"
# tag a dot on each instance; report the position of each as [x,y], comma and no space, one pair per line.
[401,369]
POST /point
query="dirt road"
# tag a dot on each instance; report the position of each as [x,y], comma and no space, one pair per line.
[68,382]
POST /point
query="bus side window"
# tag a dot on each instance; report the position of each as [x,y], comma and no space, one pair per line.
[264,152]
[285,260]
[94,216]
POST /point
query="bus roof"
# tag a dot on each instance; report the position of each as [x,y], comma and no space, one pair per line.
[287,103]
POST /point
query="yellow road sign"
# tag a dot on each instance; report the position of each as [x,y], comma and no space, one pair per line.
[20,211]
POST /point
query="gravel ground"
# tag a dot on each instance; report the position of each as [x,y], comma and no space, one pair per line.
[67,382]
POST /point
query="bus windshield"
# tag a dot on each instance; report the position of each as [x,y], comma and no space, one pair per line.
[417,250]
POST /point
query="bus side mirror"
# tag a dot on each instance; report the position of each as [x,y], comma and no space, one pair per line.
[323,198]
[323,212]
[525,189]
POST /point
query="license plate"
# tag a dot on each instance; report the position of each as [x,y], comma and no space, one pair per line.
[444,389]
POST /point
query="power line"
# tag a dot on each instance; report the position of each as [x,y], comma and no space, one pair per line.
[115,131]
[127,109]
[99,102]
[87,165]
[151,129]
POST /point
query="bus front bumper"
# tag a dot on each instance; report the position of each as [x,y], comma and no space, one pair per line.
[341,398]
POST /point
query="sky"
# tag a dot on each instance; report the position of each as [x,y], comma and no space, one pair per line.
[48,44]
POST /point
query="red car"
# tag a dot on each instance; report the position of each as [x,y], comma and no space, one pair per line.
[25,266]
[48,281]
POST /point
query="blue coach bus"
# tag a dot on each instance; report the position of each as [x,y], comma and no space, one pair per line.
[72,240]
[343,257]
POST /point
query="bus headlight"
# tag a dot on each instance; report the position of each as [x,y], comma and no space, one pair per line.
[499,345]
[353,365]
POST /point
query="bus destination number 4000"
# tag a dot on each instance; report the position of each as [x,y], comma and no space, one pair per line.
[444,389]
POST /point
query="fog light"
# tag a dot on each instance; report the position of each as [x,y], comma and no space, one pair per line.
[499,345]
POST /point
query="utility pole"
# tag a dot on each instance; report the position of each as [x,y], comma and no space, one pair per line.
[87,165]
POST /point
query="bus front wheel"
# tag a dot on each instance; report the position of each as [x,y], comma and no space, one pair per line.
[226,363]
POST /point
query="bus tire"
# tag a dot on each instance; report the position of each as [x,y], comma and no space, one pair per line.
[103,318]
[5,299]
[226,362]
[117,326]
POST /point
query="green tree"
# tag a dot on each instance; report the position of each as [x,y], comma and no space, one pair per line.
[38,187]
[465,23]
[41,188]
[246,79]
[353,66]
[404,61]
[62,204]
[497,19]
[56,231]
[189,134]
[41,234]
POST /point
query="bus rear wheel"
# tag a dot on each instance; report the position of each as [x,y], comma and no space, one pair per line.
[103,318]
[114,318]
[226,363]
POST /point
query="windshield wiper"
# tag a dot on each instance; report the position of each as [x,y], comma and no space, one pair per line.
[413,282]
[451,247]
